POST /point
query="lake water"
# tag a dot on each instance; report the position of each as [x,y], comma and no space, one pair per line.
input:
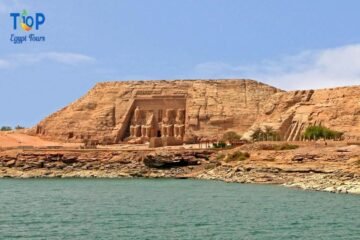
[171,209]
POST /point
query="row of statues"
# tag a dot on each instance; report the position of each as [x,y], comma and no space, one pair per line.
[145,123]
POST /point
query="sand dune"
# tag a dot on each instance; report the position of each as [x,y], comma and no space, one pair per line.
[14,139]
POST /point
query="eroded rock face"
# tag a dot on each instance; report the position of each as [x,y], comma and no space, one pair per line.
[116,111]
[107,164]
[171,160]
[334,168]
[291,112]
[184,110]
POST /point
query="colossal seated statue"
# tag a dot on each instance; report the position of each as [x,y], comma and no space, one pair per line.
[148,130]
[168,124]
[146,124]
[179,127]
[135,127]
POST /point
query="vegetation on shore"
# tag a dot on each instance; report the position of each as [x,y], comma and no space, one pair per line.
[220,144]
[231,136]
[266,134]
[5,128]
[278,147]
[228,139]
[320,132]
[8,128]
[237,156]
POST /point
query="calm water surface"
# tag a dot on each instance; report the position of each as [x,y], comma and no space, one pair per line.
[171,209]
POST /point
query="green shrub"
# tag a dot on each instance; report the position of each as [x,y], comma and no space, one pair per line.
[268,134]
[231,136]
[318,132]
[237,156]
[257,134]
[220,144]
[5,128]
[18,127]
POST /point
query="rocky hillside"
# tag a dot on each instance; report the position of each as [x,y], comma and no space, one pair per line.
[291,112]
[212,106]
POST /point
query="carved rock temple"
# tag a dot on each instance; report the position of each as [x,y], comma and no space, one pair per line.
[159,112]
[173,112]
[161,125]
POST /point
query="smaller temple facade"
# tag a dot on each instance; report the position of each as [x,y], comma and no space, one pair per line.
[160,127]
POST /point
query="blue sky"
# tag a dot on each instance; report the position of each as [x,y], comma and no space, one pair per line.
[289,44]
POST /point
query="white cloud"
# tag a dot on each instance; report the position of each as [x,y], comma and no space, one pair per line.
[67,58]
[309,69]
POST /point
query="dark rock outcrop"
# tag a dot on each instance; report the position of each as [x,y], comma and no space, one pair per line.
[171,160]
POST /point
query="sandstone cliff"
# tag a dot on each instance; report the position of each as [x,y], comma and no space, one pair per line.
[211,107]
[291,112]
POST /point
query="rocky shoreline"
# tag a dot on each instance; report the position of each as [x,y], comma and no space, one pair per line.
[328,182]
[331,168]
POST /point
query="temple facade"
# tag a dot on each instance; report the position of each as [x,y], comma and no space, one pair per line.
[162,123]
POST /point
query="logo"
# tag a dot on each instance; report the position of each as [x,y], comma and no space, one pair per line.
[27,22]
